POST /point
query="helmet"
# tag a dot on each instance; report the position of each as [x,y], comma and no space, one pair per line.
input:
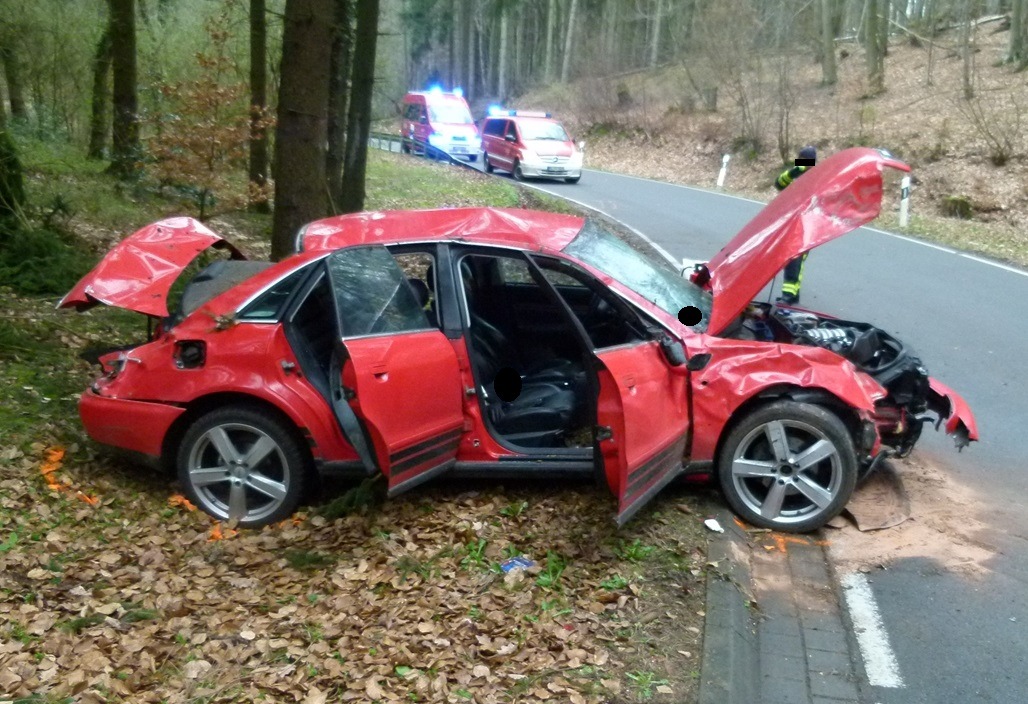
[808,152]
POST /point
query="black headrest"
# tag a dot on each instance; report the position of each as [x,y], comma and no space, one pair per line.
[421,291]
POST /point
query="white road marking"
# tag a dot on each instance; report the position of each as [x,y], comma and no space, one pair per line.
[879,660]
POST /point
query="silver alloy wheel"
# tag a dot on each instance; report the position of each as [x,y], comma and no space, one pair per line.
[787,471]
[238,471]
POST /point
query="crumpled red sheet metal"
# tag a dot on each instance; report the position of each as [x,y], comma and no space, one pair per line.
[138,272]
[532,230]
[838,195]
[740,370]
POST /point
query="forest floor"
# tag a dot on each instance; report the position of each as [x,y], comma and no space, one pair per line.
[659,130]
[113,590]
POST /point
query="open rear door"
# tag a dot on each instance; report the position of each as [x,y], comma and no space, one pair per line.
[643,417]
[397,372]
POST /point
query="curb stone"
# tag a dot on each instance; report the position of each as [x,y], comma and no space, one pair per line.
[730,671]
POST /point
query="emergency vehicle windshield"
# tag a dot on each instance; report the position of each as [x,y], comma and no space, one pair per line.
[450,114]
[532,130]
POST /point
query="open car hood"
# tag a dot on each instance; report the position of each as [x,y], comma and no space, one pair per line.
[838,195]
[140,270]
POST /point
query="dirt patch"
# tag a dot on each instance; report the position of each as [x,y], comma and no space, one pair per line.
[943,527]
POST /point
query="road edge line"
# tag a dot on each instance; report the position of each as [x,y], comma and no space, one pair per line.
[880,664]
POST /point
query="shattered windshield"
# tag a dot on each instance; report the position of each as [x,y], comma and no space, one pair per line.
[647,273]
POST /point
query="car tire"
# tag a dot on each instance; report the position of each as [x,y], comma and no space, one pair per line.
[472,158]
[486,164]
[404,147]
[517,172]
[257,491]
[798,487]
[573,179]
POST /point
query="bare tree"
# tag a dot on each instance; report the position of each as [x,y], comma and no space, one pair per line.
[338,98]
[258,153]
[12,72]
[569,43]
[99,122]
[1018,29]
[966,52]
[125,126]
[874,47]
[301,131]
[658,18]
[359,122]
[551,27]
[829,73]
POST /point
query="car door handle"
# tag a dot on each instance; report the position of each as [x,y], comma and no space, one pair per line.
[629,380]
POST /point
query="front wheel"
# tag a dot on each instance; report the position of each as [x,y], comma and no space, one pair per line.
[788,466]
[486,164]
[519,175]
[573,179]
[244,463]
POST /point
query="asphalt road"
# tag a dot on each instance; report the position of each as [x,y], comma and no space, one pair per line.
[957,638]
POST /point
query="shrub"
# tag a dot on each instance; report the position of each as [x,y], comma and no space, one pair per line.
[39,261]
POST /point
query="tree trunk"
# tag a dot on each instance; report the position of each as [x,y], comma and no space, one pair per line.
[551,26]
[12,188]
[829,74]
[471,83]
[359,123]
[655,37]
[125,126]
[301,132]
[3,110]
[99,120]
[501,60]
[457,42]
[15,91]
[873,49]
[1015,53]
[338,99]
[569,43]
[258,166]
[966,55]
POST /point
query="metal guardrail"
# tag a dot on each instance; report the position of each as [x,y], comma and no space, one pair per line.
[394,143]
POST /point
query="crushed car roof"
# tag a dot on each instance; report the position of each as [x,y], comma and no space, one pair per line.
[528,229]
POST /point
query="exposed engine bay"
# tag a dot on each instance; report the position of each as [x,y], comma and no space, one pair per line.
[873,351]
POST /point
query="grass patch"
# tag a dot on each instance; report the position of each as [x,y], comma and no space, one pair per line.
[77,625]
[308,560]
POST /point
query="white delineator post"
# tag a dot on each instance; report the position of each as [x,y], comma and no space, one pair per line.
[724,170]
[904,201]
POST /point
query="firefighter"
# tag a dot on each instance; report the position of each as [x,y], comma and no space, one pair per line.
[794,269]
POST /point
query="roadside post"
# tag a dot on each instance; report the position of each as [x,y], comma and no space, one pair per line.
[904,201]
[724,170]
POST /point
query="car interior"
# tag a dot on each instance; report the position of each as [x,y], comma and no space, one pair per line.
[514,322]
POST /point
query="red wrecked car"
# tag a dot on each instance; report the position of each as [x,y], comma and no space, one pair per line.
[492,342]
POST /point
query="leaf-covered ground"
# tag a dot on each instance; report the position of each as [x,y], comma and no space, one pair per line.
[112,589]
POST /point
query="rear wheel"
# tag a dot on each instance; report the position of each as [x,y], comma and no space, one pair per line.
[519,175]
[486,163]
[788,466]
[244,463]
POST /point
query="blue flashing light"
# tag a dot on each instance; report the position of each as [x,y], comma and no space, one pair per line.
[436,90]
[495,110]
[459,92]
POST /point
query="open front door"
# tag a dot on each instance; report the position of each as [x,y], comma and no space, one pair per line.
[395,371]
[643,417]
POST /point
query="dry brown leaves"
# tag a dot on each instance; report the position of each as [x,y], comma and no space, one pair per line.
[129,599]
